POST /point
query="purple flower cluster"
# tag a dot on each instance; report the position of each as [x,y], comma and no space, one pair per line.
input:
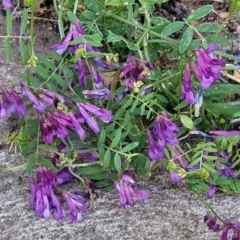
[134,72]
[179,164]
[58,124]
[162,135]
[208,71]
[37,104]
[43,197]
[76,201]
[187,88]
[75,32]
[44,200]
[228,228]
[11,103]
[127,189]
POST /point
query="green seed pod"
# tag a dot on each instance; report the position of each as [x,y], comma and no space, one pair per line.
[29,3]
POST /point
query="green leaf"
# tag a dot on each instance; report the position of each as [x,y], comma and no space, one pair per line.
[193,163]
[172,28]
[24,21]
[98,176]
[187,122]
[117,138]
[71,16]
[48,64]
[117,162]
[219,40]
[102,137]
[208,27]
[47,148]
[209,167]
[200,13]
[115,3]
[60,81]
[237,114]
[225,109]
[113,37]
[220,91]
[30,164]
[42,72]
[47,163]
[107,159]
[181,105]
[186,40]
[96,40]
[101,153]
[23,51]
[194,44]
[29,147]
[67,70]
[93,5]
[90,170]
[103,183]
[9,22]
[130,147]
[8,49]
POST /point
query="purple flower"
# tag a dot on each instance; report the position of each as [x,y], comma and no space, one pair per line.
[137,69]
[7,4]
[187,88]
[100,94]
[77,127]
[59,212]
[103,114]
[91,122]
[8,102]
[81,73]
[51,126]
[225,133]
[237,54]
[63,175]
[51,97]
[38,105]
[209,69]
[20,106]
[61,48]
[162,135]
[98,80]
[88,155]
[127,188]
[228,228]
[155,153]
[43,197]
[103,65]
[3,112]
[212,190]
[76,201]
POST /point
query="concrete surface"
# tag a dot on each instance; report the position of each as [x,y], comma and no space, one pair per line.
[170,213]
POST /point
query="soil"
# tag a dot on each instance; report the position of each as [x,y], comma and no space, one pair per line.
[170,213]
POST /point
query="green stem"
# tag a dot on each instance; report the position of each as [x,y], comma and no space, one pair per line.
[75,7]
[13,168]
[31,30]
[60,22]
[167,39]
[78,177]
[20,37]
[84,164]
[221,27]
[209,207]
